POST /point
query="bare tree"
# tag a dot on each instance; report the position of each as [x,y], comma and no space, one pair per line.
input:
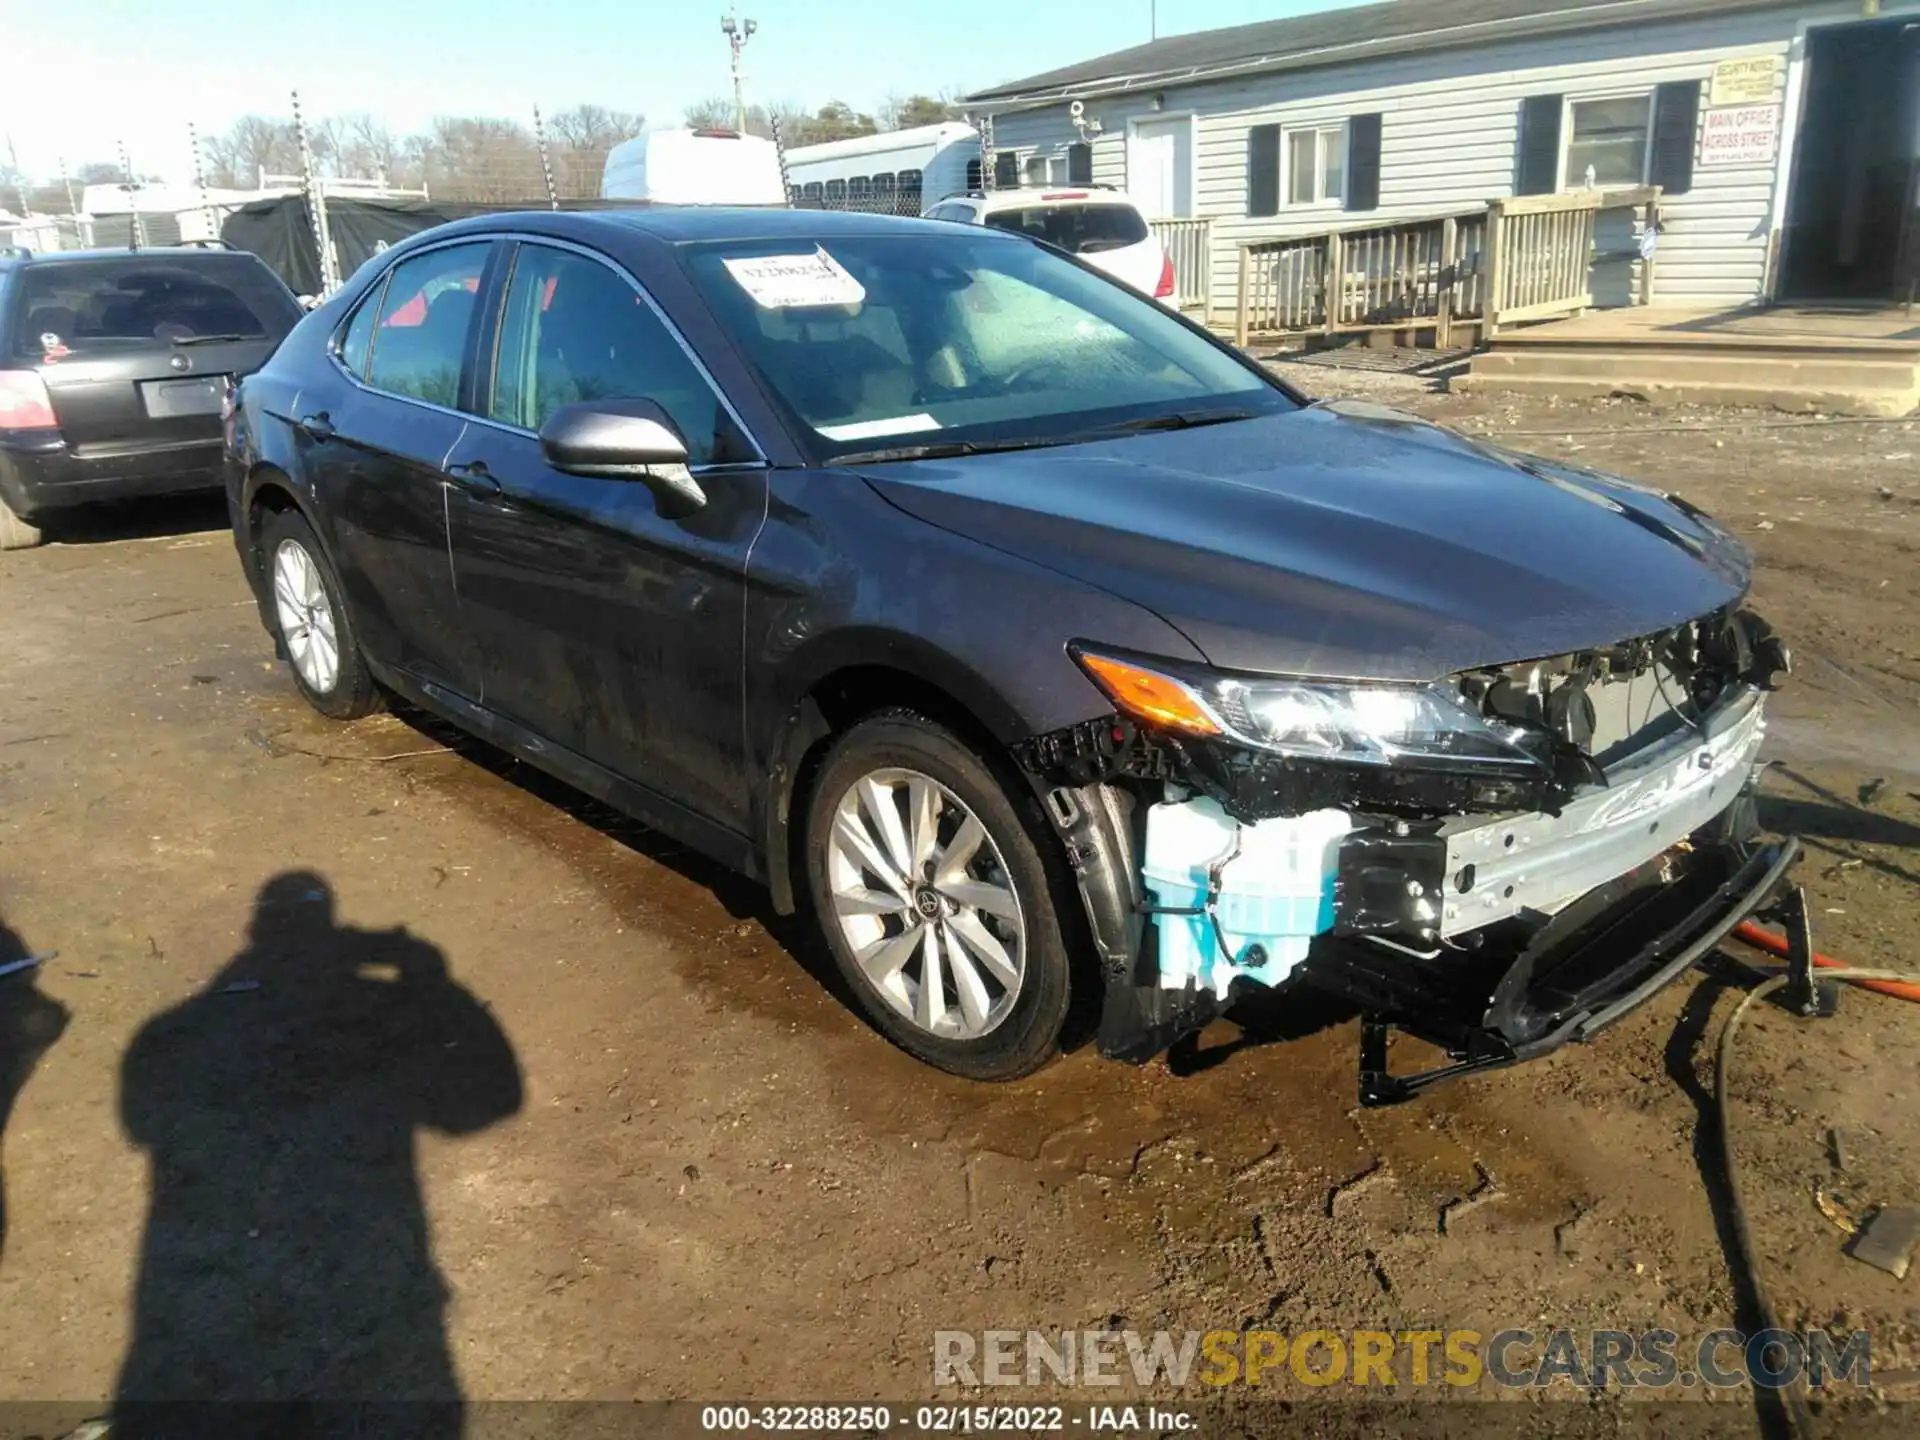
[254,143]
[921,110]
[714,111]
[581,140]
[474,158]
[594,127]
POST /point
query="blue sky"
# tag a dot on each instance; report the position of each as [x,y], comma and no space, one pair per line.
[82,74]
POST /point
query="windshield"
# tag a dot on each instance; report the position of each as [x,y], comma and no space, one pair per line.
[1077,229]
[885,341]
[92,307]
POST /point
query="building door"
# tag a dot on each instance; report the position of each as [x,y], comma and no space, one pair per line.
[1160,167]
[1851,231]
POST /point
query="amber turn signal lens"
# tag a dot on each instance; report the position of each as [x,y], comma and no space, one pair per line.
[1150,696]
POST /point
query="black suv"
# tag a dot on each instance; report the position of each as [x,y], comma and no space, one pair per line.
[113,368]
[1036,642]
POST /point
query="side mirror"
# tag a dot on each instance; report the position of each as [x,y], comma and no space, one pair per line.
[624,440]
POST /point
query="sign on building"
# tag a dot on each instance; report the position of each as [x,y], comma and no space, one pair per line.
[1740,135]
[1744,82]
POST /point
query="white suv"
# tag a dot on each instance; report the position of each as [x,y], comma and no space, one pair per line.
[1102,227]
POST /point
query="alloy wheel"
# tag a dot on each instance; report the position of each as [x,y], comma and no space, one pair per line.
[925,901]
[306,617]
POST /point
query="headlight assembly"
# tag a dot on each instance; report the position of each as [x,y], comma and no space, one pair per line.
[1350,722]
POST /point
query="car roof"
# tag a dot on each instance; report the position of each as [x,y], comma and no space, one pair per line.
[682,224]
[144,252]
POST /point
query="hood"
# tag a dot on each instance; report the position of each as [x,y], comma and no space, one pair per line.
[1341,540]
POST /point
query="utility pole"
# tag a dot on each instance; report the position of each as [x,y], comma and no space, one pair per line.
[19,178]
[137,235]
[738,32]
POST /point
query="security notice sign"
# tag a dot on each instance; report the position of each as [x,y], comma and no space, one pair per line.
[1740,135]
[1744,82]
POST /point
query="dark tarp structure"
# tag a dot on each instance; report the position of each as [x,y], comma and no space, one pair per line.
[280,231]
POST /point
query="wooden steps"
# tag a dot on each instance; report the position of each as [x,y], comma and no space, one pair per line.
[1847,364]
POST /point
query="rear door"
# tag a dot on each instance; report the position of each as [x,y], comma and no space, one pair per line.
[136,349]
[375,444]
[604,626]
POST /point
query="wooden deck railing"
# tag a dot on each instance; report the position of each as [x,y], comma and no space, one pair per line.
[1525,258]
[1404,274]
[1189,243]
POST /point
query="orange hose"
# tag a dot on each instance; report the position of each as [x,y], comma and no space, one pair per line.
[1773,944]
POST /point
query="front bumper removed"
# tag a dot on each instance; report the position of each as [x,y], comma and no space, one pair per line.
[1497,938]
[1596,963]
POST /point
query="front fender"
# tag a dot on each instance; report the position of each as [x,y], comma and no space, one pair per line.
[840,579]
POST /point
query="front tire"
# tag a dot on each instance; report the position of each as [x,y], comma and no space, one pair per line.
[934,898]
[15,533]
[311,621]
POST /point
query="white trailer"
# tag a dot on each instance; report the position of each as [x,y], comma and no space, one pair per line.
[897,172]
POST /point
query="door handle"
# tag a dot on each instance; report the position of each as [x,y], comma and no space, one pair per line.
[473,476]
[317,427]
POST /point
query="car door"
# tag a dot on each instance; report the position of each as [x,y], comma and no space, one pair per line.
[603,626]
[376,445]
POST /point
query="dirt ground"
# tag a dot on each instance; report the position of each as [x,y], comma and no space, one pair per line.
[373,1068]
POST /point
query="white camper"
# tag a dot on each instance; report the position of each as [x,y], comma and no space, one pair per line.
[708,166]
[897,172]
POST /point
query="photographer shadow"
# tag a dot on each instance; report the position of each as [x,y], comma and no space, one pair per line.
[287,1256]
[31,1022]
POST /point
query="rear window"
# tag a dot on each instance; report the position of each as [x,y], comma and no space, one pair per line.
[1077,229]
[98,307]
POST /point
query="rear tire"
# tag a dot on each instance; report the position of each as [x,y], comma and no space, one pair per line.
[15,533]
[973,899]
[311,621]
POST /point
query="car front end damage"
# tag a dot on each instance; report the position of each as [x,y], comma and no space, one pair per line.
[1499,863]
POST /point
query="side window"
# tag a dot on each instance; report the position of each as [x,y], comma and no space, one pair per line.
[358,341]
[421,335]
[575,330]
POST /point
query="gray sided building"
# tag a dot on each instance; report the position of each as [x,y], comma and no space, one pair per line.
[1784,136]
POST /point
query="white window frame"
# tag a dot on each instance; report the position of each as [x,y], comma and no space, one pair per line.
[1569,183]
[1321,200]
[1052,162]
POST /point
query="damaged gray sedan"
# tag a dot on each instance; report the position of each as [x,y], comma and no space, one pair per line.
[1036,644]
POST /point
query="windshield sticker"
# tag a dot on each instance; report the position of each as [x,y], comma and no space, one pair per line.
[783,282]
[872,429]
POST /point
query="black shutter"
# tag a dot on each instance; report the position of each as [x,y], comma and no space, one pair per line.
[1006,170]
[1538,172]
[1080,163]
[1676,115]
[1263,170]
[1363,162]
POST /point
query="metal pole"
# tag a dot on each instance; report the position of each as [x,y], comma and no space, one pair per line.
[546,168]
[780,154]
[200,180]
[137,232]
[738,32]
[19,178]
[66,183]
[316,198]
